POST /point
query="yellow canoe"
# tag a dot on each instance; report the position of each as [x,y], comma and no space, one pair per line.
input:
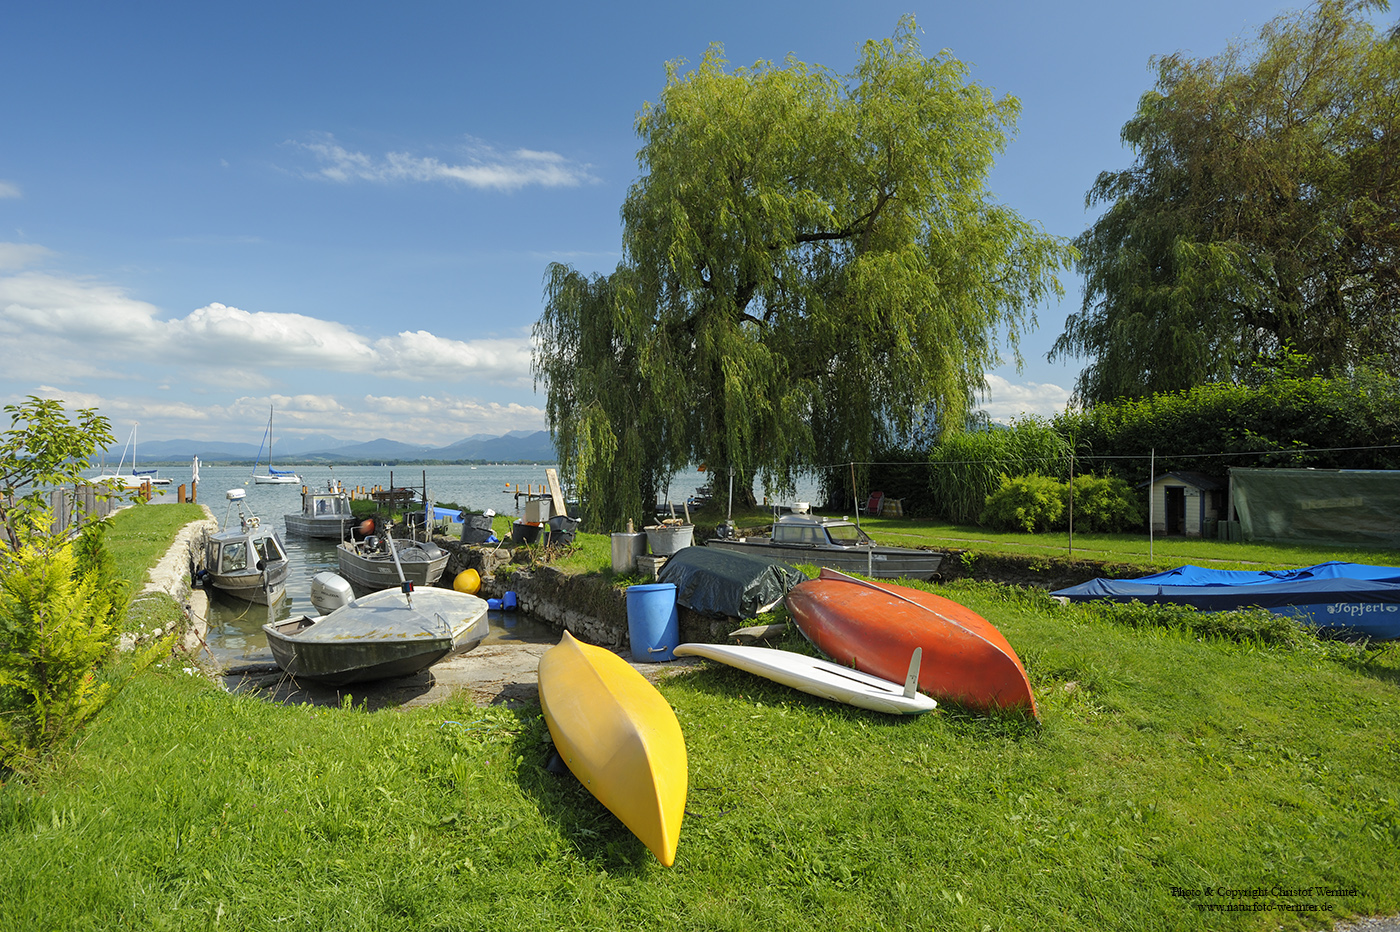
[619,737]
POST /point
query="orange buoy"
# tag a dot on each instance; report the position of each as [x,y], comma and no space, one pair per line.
[367,527]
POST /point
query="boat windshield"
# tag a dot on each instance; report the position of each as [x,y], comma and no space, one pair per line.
[234,557]
[331,505]
[846,535]
[269,551]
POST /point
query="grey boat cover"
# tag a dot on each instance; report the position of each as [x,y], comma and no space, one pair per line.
[726,582]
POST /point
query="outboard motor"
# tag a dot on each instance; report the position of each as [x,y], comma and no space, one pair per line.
[329,592]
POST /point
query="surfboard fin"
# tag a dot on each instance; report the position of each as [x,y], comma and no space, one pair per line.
[911,682]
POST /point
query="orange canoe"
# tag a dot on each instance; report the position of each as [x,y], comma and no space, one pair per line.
[875,627]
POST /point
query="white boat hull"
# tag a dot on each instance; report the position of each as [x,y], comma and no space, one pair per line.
[816,677]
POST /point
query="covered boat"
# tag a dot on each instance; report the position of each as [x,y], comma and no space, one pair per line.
[384,634]
[728,582]
[380,562]
[875,627]
[325,513]
[1348,599]
[247,560]
[835,543]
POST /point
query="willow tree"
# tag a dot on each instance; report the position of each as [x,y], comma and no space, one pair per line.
[1261,216]
[811,263]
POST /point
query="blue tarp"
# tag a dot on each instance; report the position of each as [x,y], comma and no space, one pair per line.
[1350,597]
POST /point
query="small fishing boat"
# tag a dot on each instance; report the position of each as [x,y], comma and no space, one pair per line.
[619,737]
[1338,599]
[384,634]
[380,562]
[272,476]
[325,513]
[837,544]
[247,561]
[821,677]
[875,627]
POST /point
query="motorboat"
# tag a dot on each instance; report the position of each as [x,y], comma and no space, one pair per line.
[247,561]
[835,543]
[394,632]
[380,562]
[272,476]
[325,513]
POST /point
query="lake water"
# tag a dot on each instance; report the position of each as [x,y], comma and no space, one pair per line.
[235,627]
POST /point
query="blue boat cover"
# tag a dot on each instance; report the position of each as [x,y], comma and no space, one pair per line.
[1350,597]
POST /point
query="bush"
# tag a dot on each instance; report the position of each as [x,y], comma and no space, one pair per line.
[1026,503]
[54,630]
[1100,504]
[965,468]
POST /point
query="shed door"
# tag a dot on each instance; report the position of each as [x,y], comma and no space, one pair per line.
[1176,509]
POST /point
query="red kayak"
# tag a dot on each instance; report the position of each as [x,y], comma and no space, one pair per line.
[875,627]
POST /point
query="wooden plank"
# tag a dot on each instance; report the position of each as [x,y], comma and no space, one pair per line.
[556,492]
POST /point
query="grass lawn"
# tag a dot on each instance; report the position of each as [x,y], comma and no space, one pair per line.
[1169,766]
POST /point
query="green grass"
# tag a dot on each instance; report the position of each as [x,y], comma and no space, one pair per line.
[1169,758]
[140,536]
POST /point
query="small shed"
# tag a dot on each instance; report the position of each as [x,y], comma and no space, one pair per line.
[1188,503]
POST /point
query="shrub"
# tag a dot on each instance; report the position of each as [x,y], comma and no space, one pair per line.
[54,630]
[1101,504]
[1026,503]
[965,468]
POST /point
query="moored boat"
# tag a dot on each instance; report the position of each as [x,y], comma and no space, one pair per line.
[381,635]
[875,627]
[379,562]
[272,476]
[619,737]
[837,544]
[325,513]
[247,561]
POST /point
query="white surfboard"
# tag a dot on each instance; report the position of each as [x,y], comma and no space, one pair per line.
[821,677]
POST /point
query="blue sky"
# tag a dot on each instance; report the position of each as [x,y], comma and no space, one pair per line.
[346,209]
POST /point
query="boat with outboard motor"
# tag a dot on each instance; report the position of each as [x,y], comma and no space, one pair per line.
[380,562]
[394,632]
[835,543]
[247,561]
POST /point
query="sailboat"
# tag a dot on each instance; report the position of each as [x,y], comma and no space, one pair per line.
[272,476]
[137,477]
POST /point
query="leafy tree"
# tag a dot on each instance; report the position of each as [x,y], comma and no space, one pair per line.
[42,449]
[1262,213]
[811,264]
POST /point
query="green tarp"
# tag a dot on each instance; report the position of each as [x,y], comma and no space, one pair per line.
[1351,507]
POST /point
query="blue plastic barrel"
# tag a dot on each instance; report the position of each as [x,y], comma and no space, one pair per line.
[509,601]
[653,624]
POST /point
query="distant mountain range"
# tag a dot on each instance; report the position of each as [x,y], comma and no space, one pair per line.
[514,447]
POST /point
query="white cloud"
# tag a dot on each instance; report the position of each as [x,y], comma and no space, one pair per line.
[482,167]
[16,256]
[9,189]
[1005,400]
[75,328]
